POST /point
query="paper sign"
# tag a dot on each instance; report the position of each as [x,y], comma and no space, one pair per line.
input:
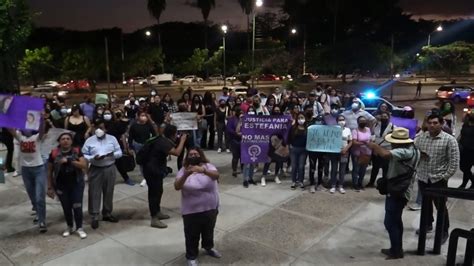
[21,112]
[407,123]
[184,120]
[256,132]
[101,98]
[322,138]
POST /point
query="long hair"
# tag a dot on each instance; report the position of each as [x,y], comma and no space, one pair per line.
[201,155]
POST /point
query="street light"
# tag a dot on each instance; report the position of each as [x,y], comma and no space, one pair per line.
[224,30]
[293,31]
[258,4]
[439,29]
[148,33]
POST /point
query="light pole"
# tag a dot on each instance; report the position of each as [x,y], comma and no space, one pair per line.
[258,4]
[304,50]
[293,31]
[439,29]
[224,30]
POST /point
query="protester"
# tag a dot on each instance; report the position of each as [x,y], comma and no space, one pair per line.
[155,170]
[339,160]
[466,145]
[353,115]
[197,181]
[198,107]
[449,115]
[170,104]
[222,112]
[210,131]
[439,161]
[33,171]
[157,109]
[297,142]
[248,168]
[361,153]
[403,159]
[88,108]
[78,123]
[66,166]
[235,137]
[7,139]
[382,128]
[101,151]
[316,159]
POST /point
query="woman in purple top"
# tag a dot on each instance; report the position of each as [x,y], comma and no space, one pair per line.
[197,180]
[360,137]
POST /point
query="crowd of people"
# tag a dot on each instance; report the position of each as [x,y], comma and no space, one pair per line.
[100,137]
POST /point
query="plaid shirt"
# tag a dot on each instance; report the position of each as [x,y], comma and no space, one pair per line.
[442,158]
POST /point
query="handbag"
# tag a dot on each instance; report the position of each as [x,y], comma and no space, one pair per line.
[398,185]
[127,161]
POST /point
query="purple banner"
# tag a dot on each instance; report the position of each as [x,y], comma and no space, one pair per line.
[256,132]
[407,123]
[21,112]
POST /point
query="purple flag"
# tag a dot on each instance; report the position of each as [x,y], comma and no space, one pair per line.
[407,123]
[21,112]
[256,132]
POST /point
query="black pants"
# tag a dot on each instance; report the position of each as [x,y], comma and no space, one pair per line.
[466,164]
[71,201]
[235,148]
[199,226]
[155,192]
[377,163]
[121,170]
[209,132]
[438,202]
[7,139]
[319,159]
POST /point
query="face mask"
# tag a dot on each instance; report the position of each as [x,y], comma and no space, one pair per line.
[362,124]
[251,113]
[355,106]
[194,160]
[107,117]
[63,111]
[277,113]
[196,102]
[256,105]
[222,105]
[334,111]
[118,115]
[99,133]
[100,112]
[342,123]
[153,93]
[301,121]
[309,114]
[384,120]
[182,109]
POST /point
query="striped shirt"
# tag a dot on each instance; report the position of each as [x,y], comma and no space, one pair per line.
[440,158]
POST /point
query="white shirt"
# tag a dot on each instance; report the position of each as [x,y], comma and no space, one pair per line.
[30,152]
[346,136]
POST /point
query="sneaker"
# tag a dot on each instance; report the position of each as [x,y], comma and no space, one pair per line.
[293,186]
[95,224]
[269,172]
[252,182]
[156,223]
[15,174]
[213,253]
[162,216]
[356,189]
[234,174]
[130,182]
[192,263]
[143,183]
[246,184]
[219,150]
[429,229]
[81,233]
[110,219]
[332,190]
[227,150]
[414,207]
[35,220]
[301,185]
[312,189]
[319,188]
[42,228]
[68,232]
[255,170]
[263,181]
[277,180]
[342,190]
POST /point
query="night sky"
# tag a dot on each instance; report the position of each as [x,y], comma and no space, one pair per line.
[132,14]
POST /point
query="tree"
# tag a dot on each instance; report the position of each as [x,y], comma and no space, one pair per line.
[36,64]
[451,59]
[156,8]
[206,6]
[196,63]
[81,63]
[215,63]
[144,62]
[247,8]
[15,27]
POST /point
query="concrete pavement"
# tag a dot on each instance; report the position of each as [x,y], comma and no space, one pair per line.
[259,225]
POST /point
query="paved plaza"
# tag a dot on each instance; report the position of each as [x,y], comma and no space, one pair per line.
[258,225]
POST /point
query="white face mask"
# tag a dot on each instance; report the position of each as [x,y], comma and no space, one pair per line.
[153,93]
[301,121]
[342,123]
[107,117]
[355,106]
[334,111]
[99,133]
[251,113]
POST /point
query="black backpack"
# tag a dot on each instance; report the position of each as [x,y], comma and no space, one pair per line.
[143,155]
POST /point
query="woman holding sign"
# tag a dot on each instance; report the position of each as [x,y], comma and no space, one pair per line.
[339,160]
[298,153]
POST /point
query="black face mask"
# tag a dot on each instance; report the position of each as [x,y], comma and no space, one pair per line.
[194,160]
[182,109]
[384,121]
[362,125]
[196,102]
[256,105]
[309,114]
[222,105]
[238,114]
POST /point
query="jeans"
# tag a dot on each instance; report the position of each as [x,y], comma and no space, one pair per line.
[393,222]
[137,147]
[34,179]
[336,164]
[316,158]
[377,163]
[278,167]
[438,202]
[196,226]
[298,162]
[197,137]
[71,201]
[358,172]
[222,139]
[248,171]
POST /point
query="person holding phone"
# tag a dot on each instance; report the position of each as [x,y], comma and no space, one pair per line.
[101,151]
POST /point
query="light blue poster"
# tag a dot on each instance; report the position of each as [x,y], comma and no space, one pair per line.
[324,139]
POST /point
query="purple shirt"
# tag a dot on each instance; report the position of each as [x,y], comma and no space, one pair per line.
[199,192]
[362,137]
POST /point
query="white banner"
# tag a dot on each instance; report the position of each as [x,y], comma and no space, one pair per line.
[184,120]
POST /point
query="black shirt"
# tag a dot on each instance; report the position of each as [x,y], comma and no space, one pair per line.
[67,172]
[157,112]
[160,151]
[467,137]
[141,132]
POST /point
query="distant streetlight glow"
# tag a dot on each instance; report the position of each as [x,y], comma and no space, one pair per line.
[293,31]
[259,3]
[224,28]
[417,54]
[439,28]
[148,33]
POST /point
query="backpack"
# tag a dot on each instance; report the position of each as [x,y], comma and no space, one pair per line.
[143,155]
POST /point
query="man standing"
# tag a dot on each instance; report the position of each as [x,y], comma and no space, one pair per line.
[439,161]
[88,108]
[353,115]
[101,151]
[418,89]
[403,158]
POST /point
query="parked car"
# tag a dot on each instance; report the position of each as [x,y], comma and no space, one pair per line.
[372,102]
[48,84]
[135,81]
[216,78]
[307,78]
[470,100]
[191,79]
[239,90]
[268,77]
[48,91]
[454,92]
[405,74]
[165,79]
[77,85]
[231,78]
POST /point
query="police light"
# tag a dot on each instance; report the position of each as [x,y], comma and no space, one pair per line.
[370,95]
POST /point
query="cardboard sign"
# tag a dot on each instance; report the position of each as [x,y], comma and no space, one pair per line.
[184,120]
[322,138]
